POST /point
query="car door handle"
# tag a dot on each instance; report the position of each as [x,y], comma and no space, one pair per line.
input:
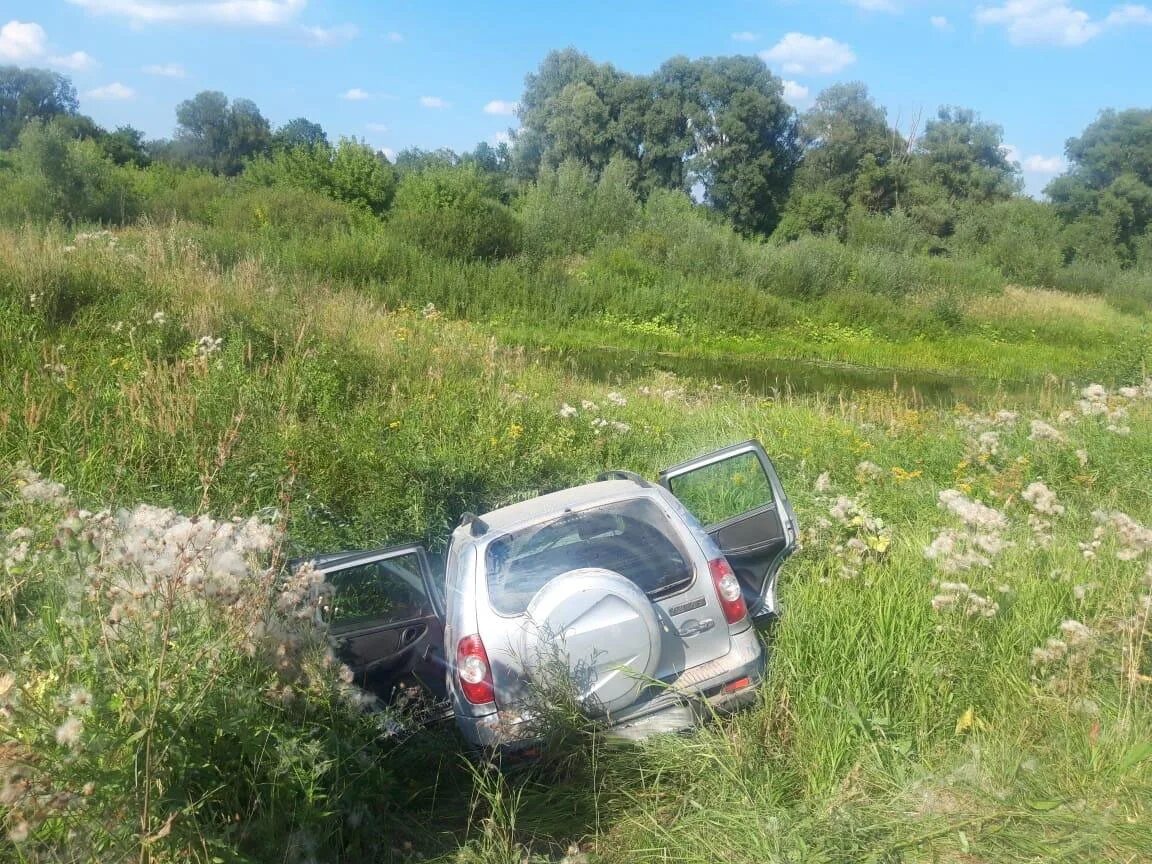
[410,635]
[692,627]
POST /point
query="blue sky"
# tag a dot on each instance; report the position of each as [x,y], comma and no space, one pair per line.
[401,73]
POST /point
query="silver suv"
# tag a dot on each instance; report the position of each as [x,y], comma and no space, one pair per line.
[638,597]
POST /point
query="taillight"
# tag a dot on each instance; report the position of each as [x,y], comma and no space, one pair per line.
[474,672]
[728,589]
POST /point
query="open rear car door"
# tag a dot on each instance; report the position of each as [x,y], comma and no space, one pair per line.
[736,495]
[386,616]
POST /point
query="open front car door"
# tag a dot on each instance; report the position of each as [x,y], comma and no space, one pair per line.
[386,616]
[736,495]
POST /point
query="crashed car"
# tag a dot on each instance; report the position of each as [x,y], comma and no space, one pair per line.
[644,594]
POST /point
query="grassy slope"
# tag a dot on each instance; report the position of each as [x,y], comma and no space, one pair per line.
[888,731]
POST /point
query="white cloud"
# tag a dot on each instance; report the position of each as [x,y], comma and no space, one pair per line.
[393,36]
[389,153]
[166,70]
[940,22]
[501,107]
[27,42]
[745,36]
[795,94]
[259,12]
[800,54]
[114,92]
[331,35]
[501,138]
[77,61]
[377,127]
[22,40]
[433,102]
[1035,164]
[875,5]
[356,95]
[1129,14]
[1056,22]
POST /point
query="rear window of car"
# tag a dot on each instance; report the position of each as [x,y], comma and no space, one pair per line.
[633,538]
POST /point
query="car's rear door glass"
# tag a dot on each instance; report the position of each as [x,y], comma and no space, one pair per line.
[392,589]
[723,490]
[633,538]
[736,494]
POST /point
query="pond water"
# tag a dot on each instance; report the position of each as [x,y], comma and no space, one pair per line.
[773,376]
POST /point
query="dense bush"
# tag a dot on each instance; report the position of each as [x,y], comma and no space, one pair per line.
[567,210]
[350,172]
[51,175]
[1020,237]
[452,211]
[285,210]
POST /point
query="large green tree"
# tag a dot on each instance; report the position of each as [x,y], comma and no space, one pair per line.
[965,158]
[220,136]
[31,94]
[300,132]
[717,125]
[1107,191]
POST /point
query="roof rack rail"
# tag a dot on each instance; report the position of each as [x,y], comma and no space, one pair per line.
[623,475]
[479,526]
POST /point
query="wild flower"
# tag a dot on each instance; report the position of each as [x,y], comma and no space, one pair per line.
[19,832]
[567,411]
[844,509]
[867,471]
[1076,633]
[1041,530]
[823,484]
[1122,431]
[68,733]
[1042,499]
[159,318]
[1133,538]
[959,596]
[1050,652]
[430,312]
[33,487]
[206,346]
[7,688]
[988,443]
[588,405]
[1082,457]
[79,698]
[1041,431]
[621,427]
[617,399]
[973,513]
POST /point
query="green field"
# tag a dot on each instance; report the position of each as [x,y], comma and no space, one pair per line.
[949,682]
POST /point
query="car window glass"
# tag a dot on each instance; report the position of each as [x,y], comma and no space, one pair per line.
[392,589]
[633,538]
[716,493]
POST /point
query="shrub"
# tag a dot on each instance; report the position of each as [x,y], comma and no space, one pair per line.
[1020,237]
[350,172]
[568,210]
[284,211]
[168,192]
[451,212]
[57,177]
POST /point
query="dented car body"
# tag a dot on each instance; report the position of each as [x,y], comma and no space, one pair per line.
[637,597]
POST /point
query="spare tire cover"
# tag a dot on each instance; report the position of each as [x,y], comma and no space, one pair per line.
[603,627]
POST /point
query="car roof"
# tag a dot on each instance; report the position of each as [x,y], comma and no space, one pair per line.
[554,503]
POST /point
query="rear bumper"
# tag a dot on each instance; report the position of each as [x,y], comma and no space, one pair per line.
[693,698]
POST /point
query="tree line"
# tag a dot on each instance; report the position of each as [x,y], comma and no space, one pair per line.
[717,129]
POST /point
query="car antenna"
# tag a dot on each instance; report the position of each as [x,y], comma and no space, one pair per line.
[479,526]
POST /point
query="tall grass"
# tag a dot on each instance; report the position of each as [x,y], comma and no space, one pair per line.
[894,725]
